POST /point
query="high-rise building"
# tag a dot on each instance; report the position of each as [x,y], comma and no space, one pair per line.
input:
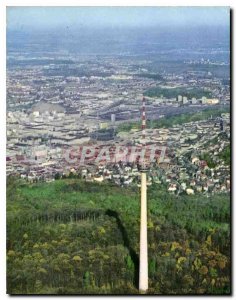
[185,100]
[179,98]
[113,118]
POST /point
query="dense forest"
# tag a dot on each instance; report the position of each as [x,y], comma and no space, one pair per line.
[76,237]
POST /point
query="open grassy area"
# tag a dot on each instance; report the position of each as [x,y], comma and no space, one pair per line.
[73,237]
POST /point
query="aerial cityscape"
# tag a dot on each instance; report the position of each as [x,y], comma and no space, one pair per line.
[75,91]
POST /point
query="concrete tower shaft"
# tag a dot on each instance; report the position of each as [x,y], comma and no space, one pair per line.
[143,254]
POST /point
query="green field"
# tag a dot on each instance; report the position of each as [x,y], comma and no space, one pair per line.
[73,237]
[154,76]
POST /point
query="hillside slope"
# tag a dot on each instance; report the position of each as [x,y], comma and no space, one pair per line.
[75,237]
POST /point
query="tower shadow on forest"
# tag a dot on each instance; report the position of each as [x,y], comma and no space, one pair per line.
[132,253]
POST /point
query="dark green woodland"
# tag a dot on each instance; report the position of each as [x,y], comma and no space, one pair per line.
[75,237]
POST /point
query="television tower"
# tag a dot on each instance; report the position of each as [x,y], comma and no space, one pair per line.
[143,253]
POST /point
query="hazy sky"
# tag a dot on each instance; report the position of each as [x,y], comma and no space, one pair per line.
[49,17]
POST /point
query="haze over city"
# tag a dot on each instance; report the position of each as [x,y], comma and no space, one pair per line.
[31,18]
